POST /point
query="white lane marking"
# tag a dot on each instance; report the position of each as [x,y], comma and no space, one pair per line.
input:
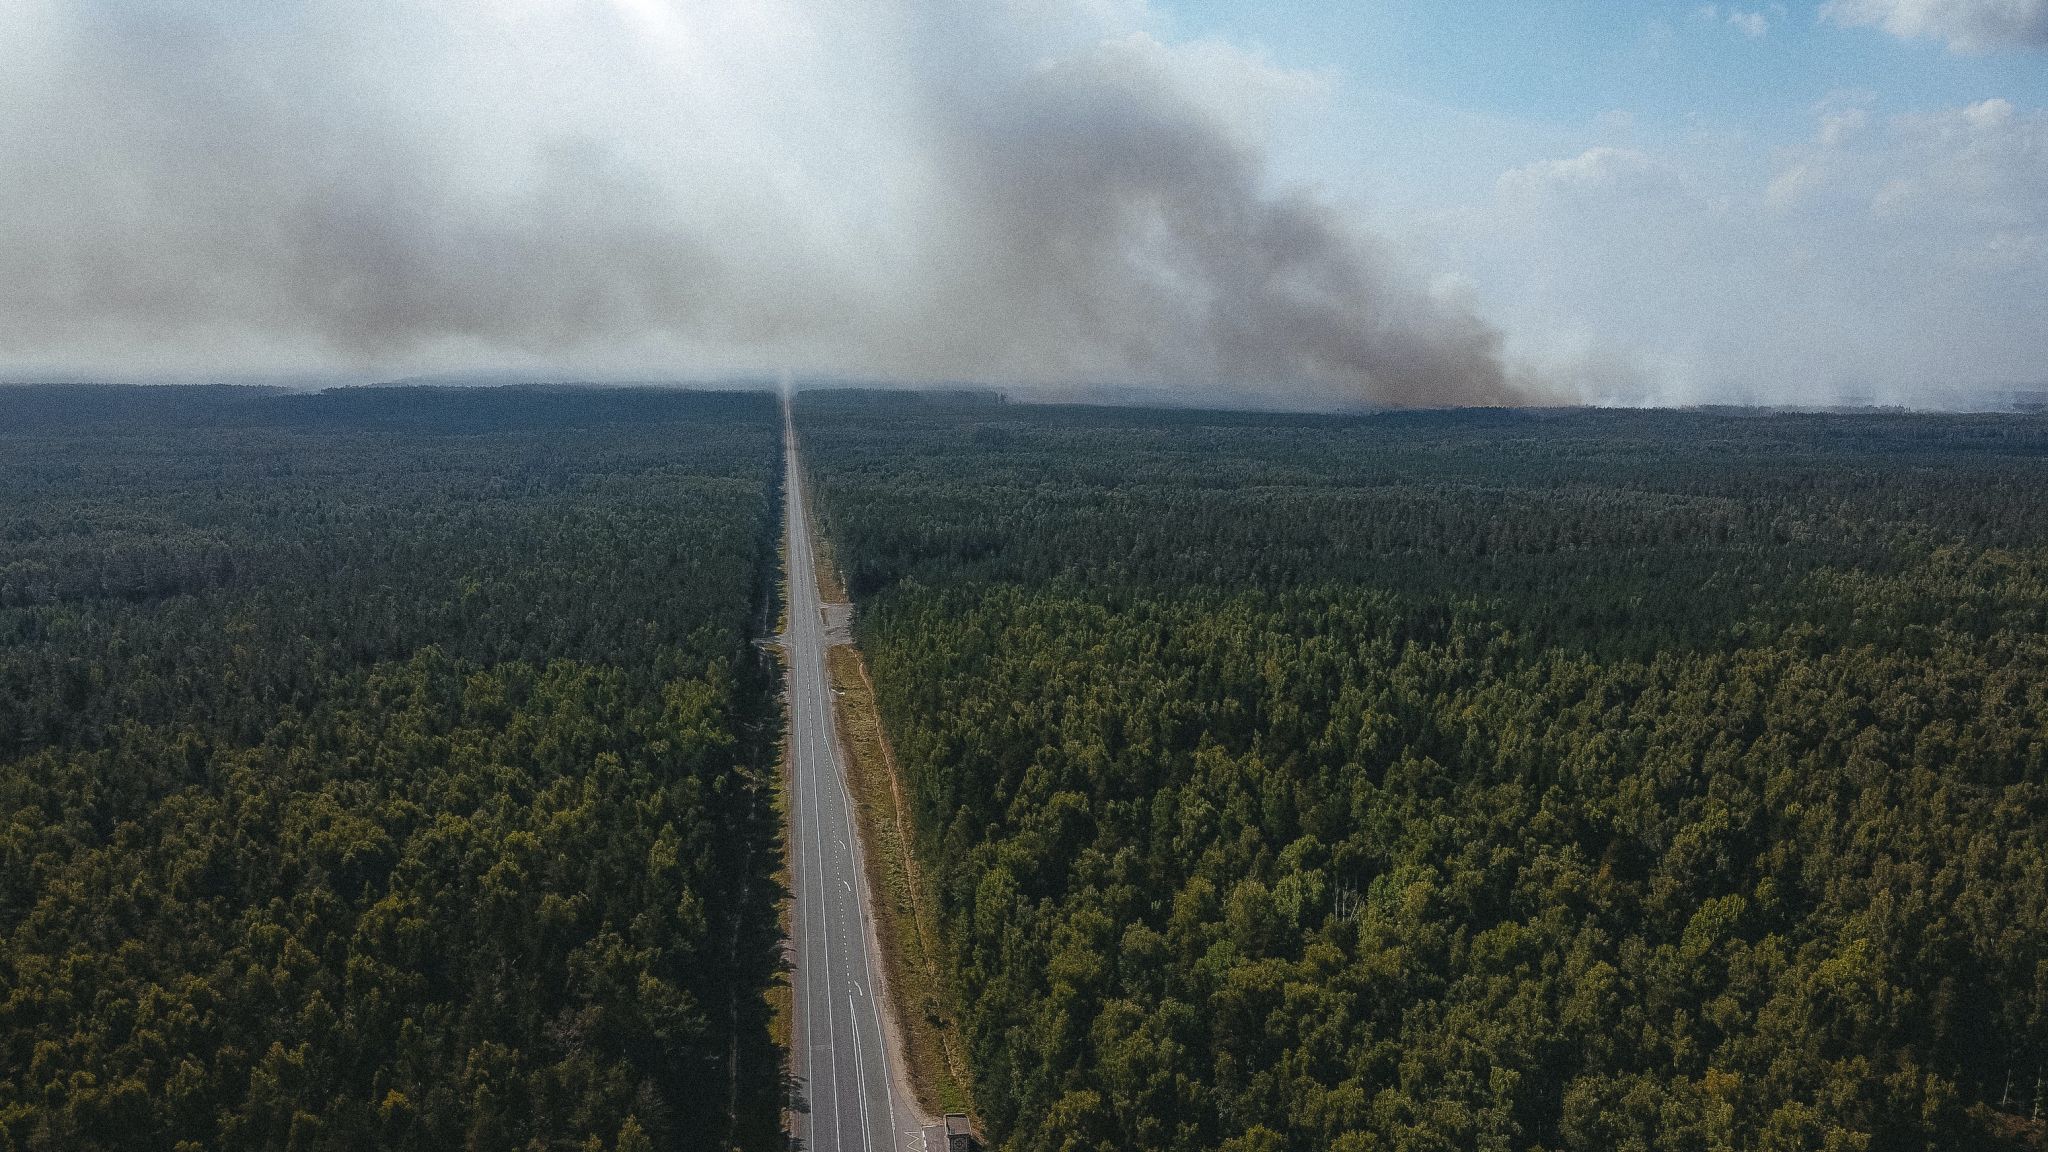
[796,512]
[861,937]
[812,659]
[805,850]
[867,1129]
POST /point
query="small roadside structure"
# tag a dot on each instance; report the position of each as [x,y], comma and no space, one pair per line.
[959,1134]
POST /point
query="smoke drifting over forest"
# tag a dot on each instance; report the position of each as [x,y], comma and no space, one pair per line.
[1039,191]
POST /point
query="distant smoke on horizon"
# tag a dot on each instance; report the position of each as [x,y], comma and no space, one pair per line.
[1028,192]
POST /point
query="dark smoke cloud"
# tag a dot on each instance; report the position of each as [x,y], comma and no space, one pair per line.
[1037,191]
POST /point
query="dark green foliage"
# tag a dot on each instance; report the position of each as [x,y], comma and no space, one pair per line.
[385,768]
[1488,780]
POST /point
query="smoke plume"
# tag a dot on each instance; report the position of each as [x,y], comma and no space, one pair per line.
[1022,191]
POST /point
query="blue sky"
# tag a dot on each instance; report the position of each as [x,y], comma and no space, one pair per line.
[1564,64]
[1429,100]
[1705,195]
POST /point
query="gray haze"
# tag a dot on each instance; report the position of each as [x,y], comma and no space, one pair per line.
[1034,191]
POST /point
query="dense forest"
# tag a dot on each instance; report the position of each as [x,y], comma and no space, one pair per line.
[386,768]
[1488,780]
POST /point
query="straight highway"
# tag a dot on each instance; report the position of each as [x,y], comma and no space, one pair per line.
[850,1080]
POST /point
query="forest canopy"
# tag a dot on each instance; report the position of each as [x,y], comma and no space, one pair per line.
[386,768]
[1498,780]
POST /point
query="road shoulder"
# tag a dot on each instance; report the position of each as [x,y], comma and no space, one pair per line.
[924,1025]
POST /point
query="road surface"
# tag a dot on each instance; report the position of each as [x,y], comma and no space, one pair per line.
[848,1073]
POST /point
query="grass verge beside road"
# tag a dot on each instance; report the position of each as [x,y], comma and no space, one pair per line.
[905,919]
[830,589]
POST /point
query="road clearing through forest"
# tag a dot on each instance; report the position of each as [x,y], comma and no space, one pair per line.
[852,1095]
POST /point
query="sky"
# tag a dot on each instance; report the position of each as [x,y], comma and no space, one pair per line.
[1805,203]
[1286,202]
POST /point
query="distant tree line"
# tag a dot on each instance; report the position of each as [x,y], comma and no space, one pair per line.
[1588,780]
[386,768]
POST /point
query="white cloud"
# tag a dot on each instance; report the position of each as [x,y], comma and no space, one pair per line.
[1793,185]
[1965,25]
[1984,166]
[1836,128]
[1896,260]
[1750,22]
[1603,169]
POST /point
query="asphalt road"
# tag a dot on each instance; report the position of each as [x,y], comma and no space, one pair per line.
[849,1077]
